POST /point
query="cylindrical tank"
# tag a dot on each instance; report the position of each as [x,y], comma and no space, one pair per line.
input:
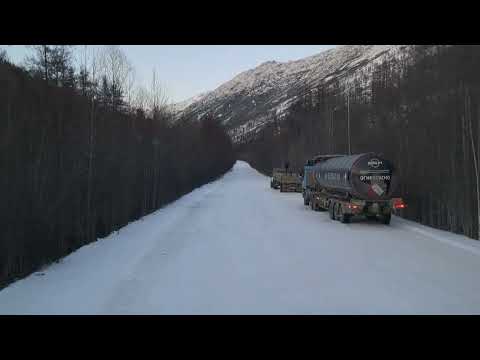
[365,176]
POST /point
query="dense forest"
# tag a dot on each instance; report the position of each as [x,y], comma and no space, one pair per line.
[420,111]
[81,155]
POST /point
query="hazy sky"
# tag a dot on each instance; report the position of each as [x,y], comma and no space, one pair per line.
[187,70]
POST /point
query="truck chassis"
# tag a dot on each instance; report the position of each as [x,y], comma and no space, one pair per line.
[290,187]
[343,208]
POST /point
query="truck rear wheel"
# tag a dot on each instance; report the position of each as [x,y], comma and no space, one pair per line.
[330,211]
[386,219]
[281,187]
[306,200]
[337,211]
[344,218]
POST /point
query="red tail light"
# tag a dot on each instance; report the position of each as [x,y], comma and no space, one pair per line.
[399,204]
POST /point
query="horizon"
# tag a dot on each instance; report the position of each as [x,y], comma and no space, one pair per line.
[186,71]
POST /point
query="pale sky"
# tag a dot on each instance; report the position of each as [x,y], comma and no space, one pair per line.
[187,70]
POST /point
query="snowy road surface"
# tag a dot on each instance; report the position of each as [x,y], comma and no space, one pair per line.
[235,246]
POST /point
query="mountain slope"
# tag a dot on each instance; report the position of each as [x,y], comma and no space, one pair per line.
[256,96]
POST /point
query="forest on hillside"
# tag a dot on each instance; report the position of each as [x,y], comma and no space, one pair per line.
[422,114]
[81,155]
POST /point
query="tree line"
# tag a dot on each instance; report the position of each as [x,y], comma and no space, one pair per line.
[421,111]
[80,157]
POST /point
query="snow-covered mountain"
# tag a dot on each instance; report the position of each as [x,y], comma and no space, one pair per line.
[254,97]
[182,105]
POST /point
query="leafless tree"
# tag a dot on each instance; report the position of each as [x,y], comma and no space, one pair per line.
[3,56]
[471,135]
[94,64]
[140,98]
[130,87]
[52,63]
[116,69]
[158,96]
[38,62]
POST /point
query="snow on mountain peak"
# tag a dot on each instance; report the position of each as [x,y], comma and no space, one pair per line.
[180,106]
[253,96]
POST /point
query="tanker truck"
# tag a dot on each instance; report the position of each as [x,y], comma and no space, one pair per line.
[351,185]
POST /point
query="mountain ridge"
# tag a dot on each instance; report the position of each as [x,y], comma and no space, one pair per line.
[256,96]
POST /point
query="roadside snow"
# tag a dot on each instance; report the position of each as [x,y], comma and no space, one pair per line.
[235,246]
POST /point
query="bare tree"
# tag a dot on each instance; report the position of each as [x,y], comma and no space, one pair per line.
[130,87]
[61,65]
[140,98]
[83,75]
[116,69]
[52,63]
[3,56]
[38,62]
[158,97]
[90,229]
[468,119]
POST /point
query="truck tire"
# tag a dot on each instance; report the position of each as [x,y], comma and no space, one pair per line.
[386,219]
[337,211]
[344,218]
[331,211]
[281,187]
[306,200]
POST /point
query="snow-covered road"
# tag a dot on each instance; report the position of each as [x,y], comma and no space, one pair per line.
[235,246]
